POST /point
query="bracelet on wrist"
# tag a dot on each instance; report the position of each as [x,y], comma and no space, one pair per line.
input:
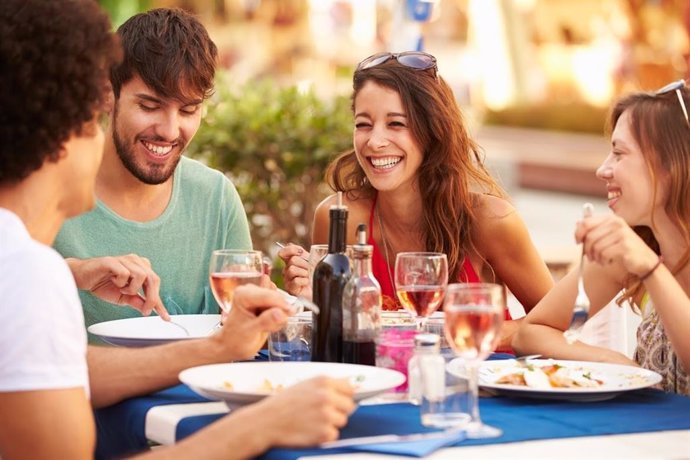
[653,269]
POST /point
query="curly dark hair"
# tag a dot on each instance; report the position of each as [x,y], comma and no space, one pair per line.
[170,50]
[55,57]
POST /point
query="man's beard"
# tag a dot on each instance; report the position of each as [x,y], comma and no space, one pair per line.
[151,175]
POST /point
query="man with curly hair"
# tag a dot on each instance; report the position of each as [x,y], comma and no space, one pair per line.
[161,213]
[54,61]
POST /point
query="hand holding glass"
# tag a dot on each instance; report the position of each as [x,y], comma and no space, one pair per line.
[420,282]
[231,268]
[474,315]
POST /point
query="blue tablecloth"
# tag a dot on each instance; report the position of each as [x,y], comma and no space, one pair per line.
[121,427]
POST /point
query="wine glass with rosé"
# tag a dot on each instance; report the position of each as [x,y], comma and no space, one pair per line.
[420,282]
[230,268]
[473,319]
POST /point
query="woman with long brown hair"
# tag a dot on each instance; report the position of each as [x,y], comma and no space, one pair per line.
[641,250]
[417,178]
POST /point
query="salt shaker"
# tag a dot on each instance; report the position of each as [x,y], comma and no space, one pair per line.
[427,359]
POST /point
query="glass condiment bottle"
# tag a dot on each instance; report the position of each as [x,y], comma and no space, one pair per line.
[361,306]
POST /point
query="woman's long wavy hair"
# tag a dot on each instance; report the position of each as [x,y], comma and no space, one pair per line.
[452,167]
[659,127]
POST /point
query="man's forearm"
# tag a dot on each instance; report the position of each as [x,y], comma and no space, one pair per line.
[234,437]
[119,373]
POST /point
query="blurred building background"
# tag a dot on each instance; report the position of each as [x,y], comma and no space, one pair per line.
[496,53]
[534,78]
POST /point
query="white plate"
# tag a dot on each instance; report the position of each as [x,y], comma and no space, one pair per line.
[152,330]
[616,379]
[393,318]
[251,381]
[404,318]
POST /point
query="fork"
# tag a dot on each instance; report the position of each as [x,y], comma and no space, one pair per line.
[180,326]
[171,321]
[282,246]
[581,307]
[522,360]
[297,305]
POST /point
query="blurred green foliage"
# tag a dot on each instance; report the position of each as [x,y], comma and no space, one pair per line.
[275,143]
[121,10]
[573,116]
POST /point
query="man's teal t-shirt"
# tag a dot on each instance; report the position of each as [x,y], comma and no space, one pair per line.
[205,213]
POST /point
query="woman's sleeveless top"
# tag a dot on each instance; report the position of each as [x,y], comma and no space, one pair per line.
[654,352]
[384,274]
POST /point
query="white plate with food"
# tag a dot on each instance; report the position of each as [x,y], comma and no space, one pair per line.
[558,379]
[243,383]
[152,330]
[400,318]
[404,318]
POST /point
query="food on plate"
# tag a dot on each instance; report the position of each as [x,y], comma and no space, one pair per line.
[389,303]
[357,380]
[266,386]
[549,376]
[269,387]
[397,318]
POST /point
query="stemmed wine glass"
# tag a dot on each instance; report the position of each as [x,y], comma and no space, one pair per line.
[473,319]
[420,282]
[231,268]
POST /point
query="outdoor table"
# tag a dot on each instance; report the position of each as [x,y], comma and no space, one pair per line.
[636,423]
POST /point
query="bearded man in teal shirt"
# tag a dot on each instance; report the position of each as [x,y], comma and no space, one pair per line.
[159,214]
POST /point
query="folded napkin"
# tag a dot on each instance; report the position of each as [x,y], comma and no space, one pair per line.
[376,420]
[412,445]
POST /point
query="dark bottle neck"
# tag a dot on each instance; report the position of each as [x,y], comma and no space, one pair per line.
[338,230]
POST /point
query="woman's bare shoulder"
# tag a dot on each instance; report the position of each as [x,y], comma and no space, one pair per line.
[358,213]
[354,206]
[490,208]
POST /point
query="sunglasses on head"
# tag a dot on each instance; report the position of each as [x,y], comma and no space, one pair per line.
[676,86]
[413,59]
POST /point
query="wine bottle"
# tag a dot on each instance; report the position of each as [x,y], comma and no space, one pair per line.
[330,276]
[361,306]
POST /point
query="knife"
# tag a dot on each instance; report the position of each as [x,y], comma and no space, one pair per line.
[387,438]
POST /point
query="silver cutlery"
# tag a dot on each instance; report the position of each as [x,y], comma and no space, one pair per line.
[171,321]
[297,305]
[302,303]
[522,360]
[581,307]
[180,326]
[216,327]
[282,246]
[459,435]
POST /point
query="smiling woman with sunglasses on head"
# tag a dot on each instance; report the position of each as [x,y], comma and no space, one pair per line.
[642,249]
[417,178]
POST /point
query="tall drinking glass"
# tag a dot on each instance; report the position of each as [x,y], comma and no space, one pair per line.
[231,268]
[420,282]
[474,315]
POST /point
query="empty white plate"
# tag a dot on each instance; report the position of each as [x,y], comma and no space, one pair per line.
[152,330]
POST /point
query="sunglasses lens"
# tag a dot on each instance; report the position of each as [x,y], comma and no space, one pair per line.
[416,61]
[373,61]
